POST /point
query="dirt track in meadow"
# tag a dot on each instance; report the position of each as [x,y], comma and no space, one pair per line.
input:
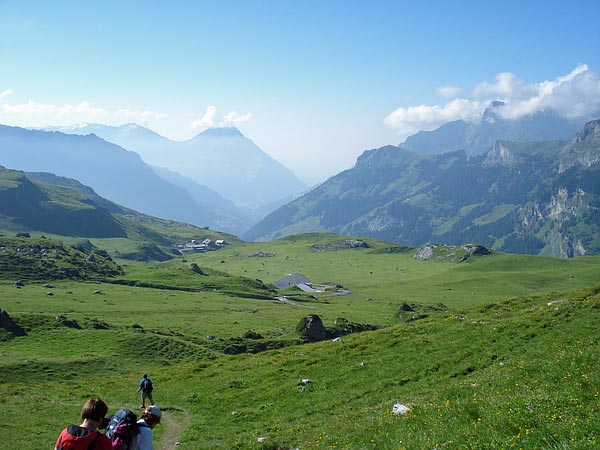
[175,421]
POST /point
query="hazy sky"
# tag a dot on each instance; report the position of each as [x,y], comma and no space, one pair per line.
[313,83]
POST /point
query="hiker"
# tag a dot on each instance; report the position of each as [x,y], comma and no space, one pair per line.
[86,436]
[146,388]
[150,418]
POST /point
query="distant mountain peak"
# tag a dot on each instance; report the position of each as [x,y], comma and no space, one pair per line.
[221,132]
[492,112]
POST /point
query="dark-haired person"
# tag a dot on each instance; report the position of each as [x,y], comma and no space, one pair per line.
[150,418]
[86,436]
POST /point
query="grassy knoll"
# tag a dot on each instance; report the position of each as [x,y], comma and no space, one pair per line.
[501,368]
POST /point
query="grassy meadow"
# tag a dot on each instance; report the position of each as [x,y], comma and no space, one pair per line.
[511,363]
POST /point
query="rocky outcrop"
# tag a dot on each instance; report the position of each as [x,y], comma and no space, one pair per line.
[440,252]
[499,155]
[9,325]
[195,268]
[311,327]
[339,245]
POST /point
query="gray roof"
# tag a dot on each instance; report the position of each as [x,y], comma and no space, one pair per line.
[291,280]
[306,288]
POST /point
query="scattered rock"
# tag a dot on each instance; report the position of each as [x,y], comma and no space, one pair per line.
[68,323]
[399,408]
[196,268]
[100,325]
[338,245]
[260,255]
[252,335]
[19,284]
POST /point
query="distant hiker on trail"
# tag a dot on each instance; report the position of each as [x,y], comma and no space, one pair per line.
[86,436]
[146,389]
[150,418]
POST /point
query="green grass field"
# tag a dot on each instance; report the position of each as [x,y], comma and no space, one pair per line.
[512,364]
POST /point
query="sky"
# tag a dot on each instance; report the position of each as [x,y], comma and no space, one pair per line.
[312,83]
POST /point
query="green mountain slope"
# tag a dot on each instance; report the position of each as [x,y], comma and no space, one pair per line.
[538,198]
[65,207]
[42,203]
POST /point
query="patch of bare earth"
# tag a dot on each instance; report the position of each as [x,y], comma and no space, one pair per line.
[174,421]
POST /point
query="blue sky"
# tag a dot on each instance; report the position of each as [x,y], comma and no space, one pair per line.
[313,83]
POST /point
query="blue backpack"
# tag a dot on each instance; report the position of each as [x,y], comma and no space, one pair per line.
[147,385]
[122,428]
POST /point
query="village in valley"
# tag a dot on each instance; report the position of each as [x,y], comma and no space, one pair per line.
[195,246]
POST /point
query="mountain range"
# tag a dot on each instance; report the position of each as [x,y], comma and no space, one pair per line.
[221,158]
[478,137]
[533,197]
[114,173]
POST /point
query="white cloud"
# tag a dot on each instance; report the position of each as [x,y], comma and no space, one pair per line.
[35,114]
[211,119]
[208,120]
[576,94]
[448,92]
[506,86]
[425,117]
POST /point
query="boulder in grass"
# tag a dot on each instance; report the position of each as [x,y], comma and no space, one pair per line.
[311,327]
[9,325]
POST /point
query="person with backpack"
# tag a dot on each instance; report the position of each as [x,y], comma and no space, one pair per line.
[150,418]
[86,436]
[122,429]
[145,387]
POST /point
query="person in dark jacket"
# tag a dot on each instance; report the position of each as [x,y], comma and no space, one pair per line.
[86,436]
[145,387]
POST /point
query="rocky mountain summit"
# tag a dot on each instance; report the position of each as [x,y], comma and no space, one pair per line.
[476,138]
